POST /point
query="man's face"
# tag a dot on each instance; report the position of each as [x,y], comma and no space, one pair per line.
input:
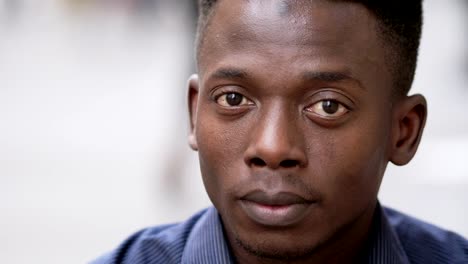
[292,121]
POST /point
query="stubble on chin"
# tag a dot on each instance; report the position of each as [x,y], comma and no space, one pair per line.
[266,251]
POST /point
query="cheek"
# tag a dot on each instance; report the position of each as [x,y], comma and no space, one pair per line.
[220,147]
[354,163]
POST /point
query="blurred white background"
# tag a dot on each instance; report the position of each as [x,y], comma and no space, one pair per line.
[93,125]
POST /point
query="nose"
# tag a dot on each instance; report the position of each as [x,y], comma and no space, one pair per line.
[276,141]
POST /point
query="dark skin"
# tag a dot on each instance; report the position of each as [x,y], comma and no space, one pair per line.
[294,119]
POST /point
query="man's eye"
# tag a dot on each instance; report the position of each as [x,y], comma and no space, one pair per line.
[328,109]
[232,99]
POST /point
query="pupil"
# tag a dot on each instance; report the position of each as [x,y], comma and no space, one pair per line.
[233,98]
[330,107]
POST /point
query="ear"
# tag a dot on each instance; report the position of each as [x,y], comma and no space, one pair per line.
[192,96]
[408,125]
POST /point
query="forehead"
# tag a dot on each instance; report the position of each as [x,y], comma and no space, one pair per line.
[292,33]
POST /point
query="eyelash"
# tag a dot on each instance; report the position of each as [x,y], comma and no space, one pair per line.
[315,110]
[318,106]
[225,91]
[243,100]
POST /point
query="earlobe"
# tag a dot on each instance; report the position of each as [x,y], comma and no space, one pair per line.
[408,125]
[192,96]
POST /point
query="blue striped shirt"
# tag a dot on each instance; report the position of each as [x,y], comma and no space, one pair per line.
[395,239]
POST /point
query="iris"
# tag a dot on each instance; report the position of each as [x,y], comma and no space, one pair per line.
[233,99]
[330,107]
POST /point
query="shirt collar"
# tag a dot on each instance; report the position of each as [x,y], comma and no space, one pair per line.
[384,246]
[207,244]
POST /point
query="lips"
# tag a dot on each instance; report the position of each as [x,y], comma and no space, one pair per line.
[278,209]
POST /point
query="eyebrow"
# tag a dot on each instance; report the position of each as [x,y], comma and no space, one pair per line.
[230,73]
[323,76]
[326,76]
[330,77]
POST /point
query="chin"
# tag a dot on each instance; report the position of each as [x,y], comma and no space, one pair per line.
[277,249]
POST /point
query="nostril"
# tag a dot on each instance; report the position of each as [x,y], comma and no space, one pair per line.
[257,162]
[289,163]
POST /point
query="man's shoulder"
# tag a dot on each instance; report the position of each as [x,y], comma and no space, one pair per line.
[427,243]
[160,244]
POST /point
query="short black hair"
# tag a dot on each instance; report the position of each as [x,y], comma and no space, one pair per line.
[400,23]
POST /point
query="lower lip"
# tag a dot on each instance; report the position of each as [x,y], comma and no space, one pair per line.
[279,215]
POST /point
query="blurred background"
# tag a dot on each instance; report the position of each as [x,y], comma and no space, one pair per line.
[93,125]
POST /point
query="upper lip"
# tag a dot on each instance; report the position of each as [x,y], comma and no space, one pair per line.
[278,198]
